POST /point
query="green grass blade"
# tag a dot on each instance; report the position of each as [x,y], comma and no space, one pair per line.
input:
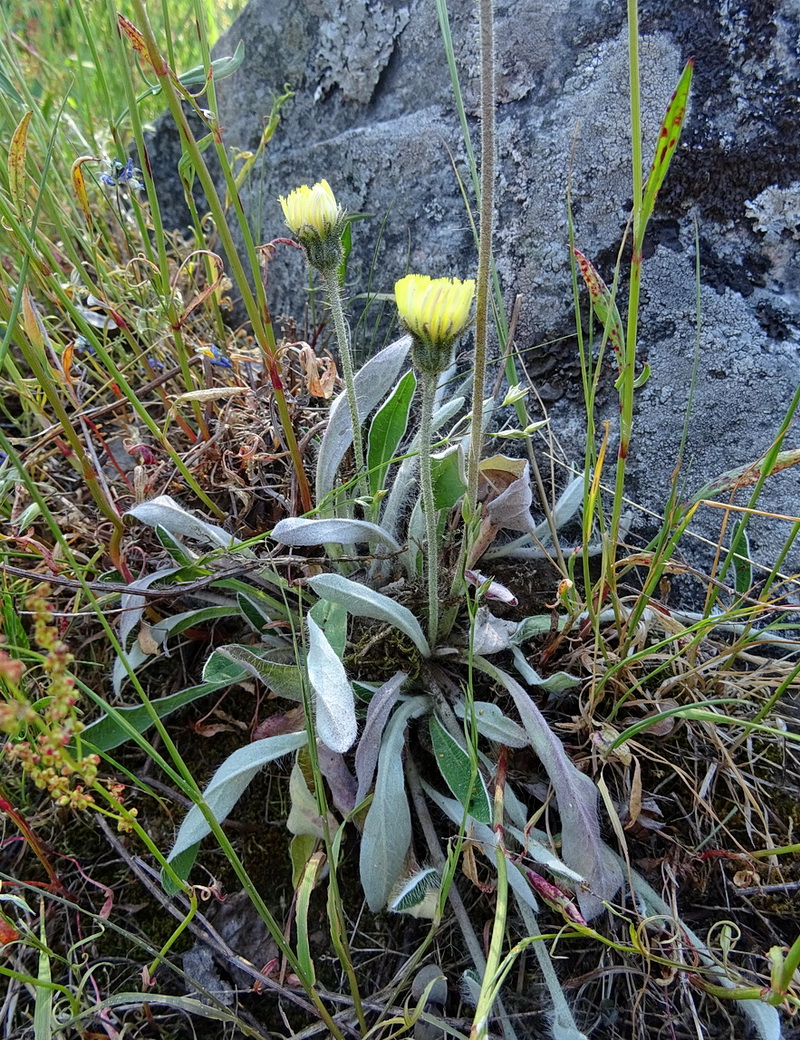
[107,733]
[43,1001]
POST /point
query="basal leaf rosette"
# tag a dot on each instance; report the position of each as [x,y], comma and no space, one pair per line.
[435,311]
[317,221]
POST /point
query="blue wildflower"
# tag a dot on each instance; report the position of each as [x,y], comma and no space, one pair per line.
[216,356]
[122,175]
[83,346]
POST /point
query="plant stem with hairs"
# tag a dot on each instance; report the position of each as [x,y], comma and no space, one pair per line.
[486,15]
[426,482]
[346,357]
[435,311]
[318,222]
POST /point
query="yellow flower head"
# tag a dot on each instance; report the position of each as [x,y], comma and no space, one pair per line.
[313,213]
[435,311]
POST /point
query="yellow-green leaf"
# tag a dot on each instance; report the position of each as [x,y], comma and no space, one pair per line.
[31,320]
[311,873]
[668,138]
[137,41]
[17,151]
[603,302]
[745,476]
[79,184]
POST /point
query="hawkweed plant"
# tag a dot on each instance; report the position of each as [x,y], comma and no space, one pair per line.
[392,730]
[317,221]
[435,312]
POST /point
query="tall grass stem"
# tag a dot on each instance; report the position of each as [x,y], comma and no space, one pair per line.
[628,373]
[487,180]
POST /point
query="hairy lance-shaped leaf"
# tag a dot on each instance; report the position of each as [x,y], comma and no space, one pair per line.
[224,790]
[582,847]
[166,512]
[494,725]
[373,382]
[335,712]
[297,530]
[387,828]
[361,601]
[285,680]
[370,744]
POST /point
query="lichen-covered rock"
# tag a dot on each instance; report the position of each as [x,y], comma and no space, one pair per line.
[374,114]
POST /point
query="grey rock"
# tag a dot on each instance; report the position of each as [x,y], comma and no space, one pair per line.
[213,966]
[374,114]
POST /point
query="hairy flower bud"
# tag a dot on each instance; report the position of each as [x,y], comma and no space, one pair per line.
[317,221]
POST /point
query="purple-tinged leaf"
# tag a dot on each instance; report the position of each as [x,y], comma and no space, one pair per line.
[582,847]
[494,590]
[553,895]
[369,746]
[340,780]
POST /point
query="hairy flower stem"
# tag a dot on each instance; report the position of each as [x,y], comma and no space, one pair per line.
[486,16]
[257,310]
[346,356]
[429,380]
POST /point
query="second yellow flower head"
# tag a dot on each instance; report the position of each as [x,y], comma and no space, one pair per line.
[435,311]
[434,308]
